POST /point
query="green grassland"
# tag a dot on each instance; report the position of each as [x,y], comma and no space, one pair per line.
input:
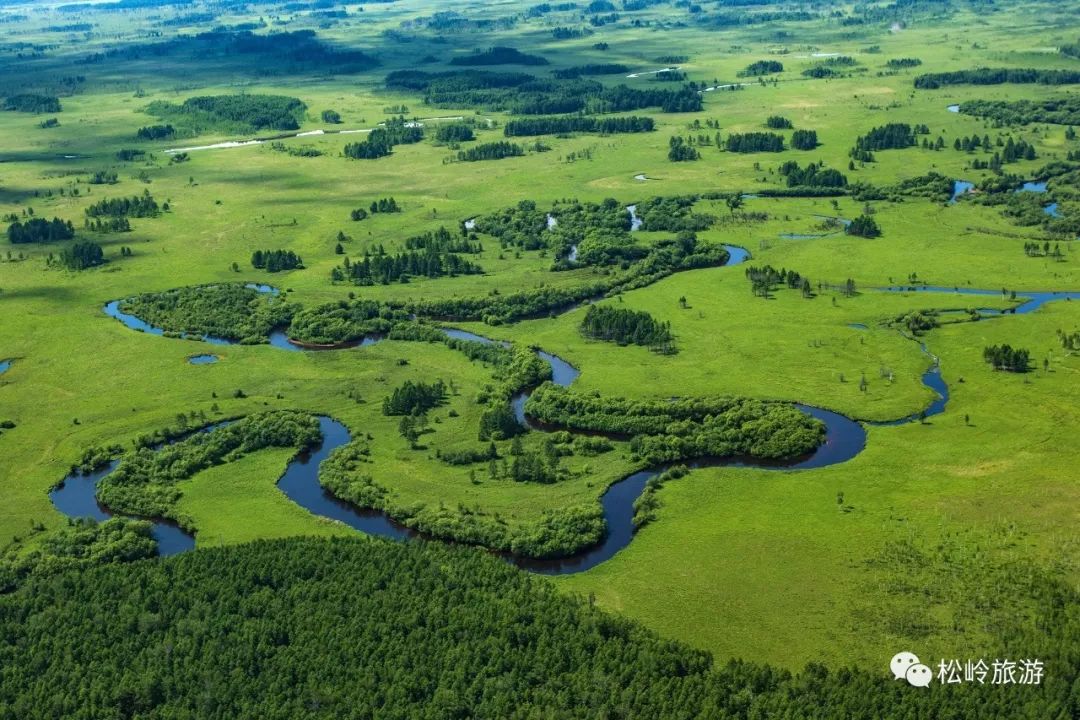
[746,563]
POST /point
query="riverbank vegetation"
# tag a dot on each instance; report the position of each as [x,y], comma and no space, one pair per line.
[231,311]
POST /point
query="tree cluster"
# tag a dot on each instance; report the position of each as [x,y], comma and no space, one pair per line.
[1007,358]
[156,132]
[577,123]
[499,55]
[764,279]
[456,132]
[82,255]
[40,230]
[490,151]
[813,175]
[754,142]
[762,67]
[138,206]
[231,311]
[32,103]
[863,226]
[381,141]
[576,71]
[276,260]
[443,242]
[627,327]
[997,76]
[668,430]
[886,137]
[384,268]
[804,139]
[414,398]
[250,112]
[679,150]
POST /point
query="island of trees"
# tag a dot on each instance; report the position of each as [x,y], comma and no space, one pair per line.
[627,327]
[276,260]
[1007,358]
[40,230]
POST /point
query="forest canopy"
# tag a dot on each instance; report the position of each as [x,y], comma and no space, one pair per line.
[274,609]
[247,113]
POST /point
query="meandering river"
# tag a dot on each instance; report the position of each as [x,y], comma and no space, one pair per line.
[845,438]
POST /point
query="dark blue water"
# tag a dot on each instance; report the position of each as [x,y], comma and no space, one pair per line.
[278,338]
[202,359]
[301,484]
[112,309]
[845,438]
[76,497]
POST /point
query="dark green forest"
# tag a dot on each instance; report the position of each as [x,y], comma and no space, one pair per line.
[372,629]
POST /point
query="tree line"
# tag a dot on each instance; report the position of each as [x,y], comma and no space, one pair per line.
[525,94]
[576,71]
[490,151]
[754,142]
[32,103]
[400,267]
[997,76]
[577,123]
[156,132]
[499,55]
[443,242]
[250,111]
[1059,110]
[108,225]
[138,206]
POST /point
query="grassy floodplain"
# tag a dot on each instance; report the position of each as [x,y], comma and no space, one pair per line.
[777,567]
